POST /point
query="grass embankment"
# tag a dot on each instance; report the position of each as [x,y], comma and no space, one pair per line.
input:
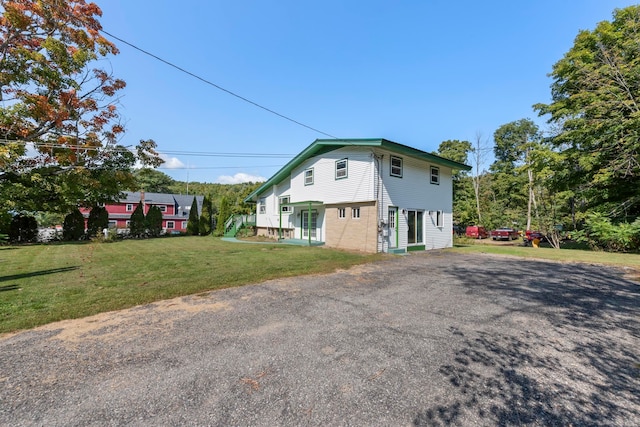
[44,283]
[546,252]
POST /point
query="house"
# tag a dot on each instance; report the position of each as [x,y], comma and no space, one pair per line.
[174,207]
[372,195]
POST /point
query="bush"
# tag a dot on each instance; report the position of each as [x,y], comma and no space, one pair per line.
[137,222]
[73,226]
[193,225]
[154,221]
[98,221]
[23,229]
[600,232]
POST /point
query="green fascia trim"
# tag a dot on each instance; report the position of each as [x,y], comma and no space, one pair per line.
[304,203]
[322,146]
[415,248]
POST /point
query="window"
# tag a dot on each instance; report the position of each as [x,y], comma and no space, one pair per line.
[355,213]
[128,223]
[396,166]
[342,212]
[184,225]
[341,169]
[435,175]
[283,201]
[439,219]
[163,208]
[308,176]
[263,205]
[170,224]
[129,207]
[113,224]
[414,222]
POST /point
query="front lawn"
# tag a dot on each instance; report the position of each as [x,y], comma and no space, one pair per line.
[44,283]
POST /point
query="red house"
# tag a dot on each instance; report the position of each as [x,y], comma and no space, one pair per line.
[174,207]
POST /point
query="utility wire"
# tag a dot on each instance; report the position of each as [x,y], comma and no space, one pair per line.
[216,86]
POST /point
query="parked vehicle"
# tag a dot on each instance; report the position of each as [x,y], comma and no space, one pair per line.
[530,236]
[477,232]
[504,233]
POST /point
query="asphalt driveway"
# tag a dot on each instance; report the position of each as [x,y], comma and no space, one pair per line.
[426,339]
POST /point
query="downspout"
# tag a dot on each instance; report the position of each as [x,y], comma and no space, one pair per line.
[379,200]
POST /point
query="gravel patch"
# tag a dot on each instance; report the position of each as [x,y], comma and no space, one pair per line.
[433,339]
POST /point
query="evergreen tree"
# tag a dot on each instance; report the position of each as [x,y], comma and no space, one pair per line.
[98,220]
[193,226]
[154,221]
[73,226]
[137,223]
[23,229]
[223,214]
[205,217]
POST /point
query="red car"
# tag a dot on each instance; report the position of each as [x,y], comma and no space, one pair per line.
[529,236]
[476,232]
[505,234]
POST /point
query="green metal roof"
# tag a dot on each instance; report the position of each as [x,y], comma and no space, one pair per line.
[321,146]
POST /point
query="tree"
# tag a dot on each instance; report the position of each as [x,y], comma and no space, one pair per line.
[458,151]
[205,217]
[154,221]
[478,151]
[596,110]
[224,212]
[73,226]
[55,103]
[514,145]
[193,225]
[98,220]
[23,229]
[137,223]
[153,181]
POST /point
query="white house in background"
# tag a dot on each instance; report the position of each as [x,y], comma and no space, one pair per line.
[371,195]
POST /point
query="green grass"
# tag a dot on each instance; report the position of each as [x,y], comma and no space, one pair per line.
[570,253]
[45,283]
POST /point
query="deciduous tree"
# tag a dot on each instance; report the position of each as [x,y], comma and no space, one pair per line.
[62,107]
[596,110]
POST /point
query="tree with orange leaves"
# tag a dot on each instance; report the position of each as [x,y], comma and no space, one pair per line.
[59,124]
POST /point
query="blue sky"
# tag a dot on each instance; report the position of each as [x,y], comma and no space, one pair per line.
[414,72]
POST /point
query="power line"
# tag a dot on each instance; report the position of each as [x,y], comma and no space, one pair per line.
[216,86]
[168,152]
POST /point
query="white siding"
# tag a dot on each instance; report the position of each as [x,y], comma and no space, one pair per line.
[415,191]
[271,218]
[357,187]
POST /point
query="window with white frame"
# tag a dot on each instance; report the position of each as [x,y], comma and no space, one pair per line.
[128,223]
[113,224]
[308,176]
[184,225]
[439,219]
[129,207]
[355,212]
[342,213]
[263,205]
[435,175]
[170,225]
[163,208]
[396,166]
[284,200]
[341,169]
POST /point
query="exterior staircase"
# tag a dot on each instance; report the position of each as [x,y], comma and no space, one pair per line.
[235,223]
